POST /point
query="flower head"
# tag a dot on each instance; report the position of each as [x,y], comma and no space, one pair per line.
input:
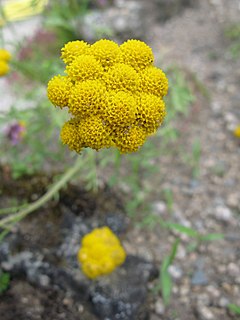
[136,54]
[73,49]
[121,110]
[70,135]
[150,112]
[154,81]
[84,68]
[122,77]
[130,139]
[114,93]
[87,98]
[5,55]
[95,134]
[58,90]
[107,52]
[101,253]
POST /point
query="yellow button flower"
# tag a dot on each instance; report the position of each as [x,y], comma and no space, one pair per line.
[107,52]
[95,134]
[87,98]
[136,54]
[122,77]
[154,81]
[70,135]
[84,68]
[58,90]
[120,110]
[150,112]
[129,140]
[73,49]
[101,253]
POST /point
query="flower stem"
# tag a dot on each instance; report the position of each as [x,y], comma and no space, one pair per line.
[14,218]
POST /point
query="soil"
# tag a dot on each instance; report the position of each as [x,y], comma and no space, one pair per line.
[206,274]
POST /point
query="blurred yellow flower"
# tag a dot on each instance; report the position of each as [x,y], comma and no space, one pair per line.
[16,10]
[115,90]
[237,132]
[5,55]
[101,253]
[4,68]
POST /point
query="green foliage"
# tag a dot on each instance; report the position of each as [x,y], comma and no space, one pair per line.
[165,282]
[168,197]
[37,148]
[234,308]
[4,281]
[232,32]
[193,159]
[65,17]
[178,101]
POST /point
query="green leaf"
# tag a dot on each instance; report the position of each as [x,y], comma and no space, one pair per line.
[166,282]
[234,308]
[4,281]
[212,237]
[185,230]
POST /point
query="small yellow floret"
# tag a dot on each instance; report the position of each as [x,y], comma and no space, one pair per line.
[84,68]
[154,80]
[122,77]
[136,54]
[129,140]
[4,68]
[101,253]
[70,135]
[150,112]
[237,132]
[87,98]
[73,49]
[106,52]
[121,109]
[58,90]
[95,134]
[5,55]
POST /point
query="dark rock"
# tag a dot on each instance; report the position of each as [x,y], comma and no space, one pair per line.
[122,295]
[116,222]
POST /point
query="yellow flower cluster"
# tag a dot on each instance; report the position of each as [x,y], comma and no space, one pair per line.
[101,253]
[114,94]
[5,56]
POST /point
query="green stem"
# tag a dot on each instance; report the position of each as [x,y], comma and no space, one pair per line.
[14,218]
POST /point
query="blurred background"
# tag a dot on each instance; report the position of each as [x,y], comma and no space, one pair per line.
[175,204]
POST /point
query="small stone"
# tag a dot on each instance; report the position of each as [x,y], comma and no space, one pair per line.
[233,200]
[205,313]
[175,271]
[213,291]
[223,302]
[44,280]
[159,307]
[159,207]
[233,269]
[223,213]
[199,278]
